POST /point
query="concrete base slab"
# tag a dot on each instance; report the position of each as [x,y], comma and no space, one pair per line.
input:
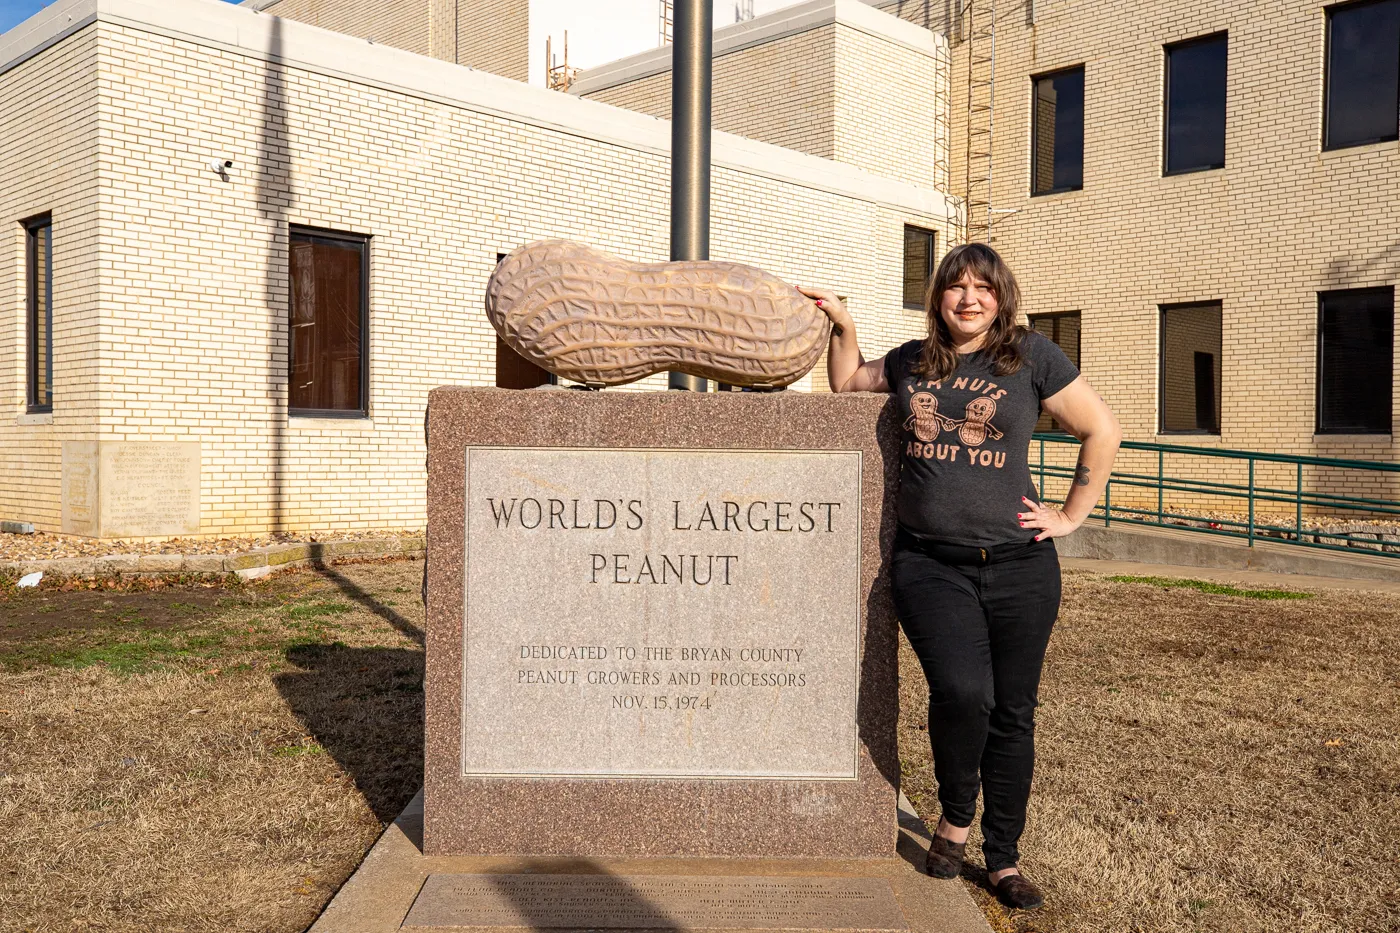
[383,890]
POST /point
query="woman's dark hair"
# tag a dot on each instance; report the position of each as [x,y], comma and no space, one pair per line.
[939,357]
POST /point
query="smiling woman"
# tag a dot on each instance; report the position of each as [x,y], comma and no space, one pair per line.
[977,583]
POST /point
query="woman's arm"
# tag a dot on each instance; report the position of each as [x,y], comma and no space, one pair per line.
[1078,407]
[846,369]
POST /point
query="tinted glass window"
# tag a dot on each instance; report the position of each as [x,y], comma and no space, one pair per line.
[513,371]
[39,295]
[328,318]
[1355,358]
[1195,121]
[1363,73]
[1190,369]
[918,265]
[1057,132]
[1064,330]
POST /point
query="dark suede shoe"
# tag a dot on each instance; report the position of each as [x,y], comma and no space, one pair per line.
[945,858]
[1018,892]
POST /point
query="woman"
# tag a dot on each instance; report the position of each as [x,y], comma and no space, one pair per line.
[975,575]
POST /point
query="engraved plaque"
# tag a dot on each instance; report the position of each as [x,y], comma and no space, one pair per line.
[661,613]
[131,489]
[79,496]
[648,902]
[149,488]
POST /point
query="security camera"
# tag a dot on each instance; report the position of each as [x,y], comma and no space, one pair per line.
[220,166]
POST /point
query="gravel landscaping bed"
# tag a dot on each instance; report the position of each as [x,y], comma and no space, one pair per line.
[67,556]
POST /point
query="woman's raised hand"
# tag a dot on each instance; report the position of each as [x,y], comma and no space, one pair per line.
[1053,523]
[829,303]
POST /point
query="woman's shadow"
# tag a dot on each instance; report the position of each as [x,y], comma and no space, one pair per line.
[364,706]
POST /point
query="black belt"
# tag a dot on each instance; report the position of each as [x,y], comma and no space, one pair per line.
[965,554]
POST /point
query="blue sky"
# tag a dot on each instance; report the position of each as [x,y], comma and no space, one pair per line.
[14,12]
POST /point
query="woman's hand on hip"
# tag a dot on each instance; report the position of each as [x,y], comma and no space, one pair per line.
[829,303]
[1053,523]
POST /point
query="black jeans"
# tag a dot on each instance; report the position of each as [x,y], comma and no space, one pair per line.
[980,631]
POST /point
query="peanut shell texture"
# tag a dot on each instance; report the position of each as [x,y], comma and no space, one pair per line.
[593,318]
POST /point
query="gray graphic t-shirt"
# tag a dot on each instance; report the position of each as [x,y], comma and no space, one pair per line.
[966,441]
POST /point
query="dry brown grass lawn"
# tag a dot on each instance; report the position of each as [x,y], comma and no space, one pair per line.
[1206,763]
[191,758]
[225,771]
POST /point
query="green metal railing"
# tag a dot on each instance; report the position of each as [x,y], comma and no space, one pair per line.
[1263,494]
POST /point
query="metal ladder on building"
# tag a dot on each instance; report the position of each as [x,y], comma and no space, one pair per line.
[977,24]
[942,117]
[665,22]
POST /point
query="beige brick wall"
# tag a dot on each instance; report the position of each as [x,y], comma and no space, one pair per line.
[891,109]
[781,92]
[194,290]
[494,36]
[489,35]
[404,24]
[48,163]
[1282,221]
[831,91]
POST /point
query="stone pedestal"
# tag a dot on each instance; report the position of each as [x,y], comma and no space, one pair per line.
[659,625]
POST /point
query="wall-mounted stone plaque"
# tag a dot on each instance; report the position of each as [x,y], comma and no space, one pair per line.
[657,624]
[641,902]
[131,489]
[661,613]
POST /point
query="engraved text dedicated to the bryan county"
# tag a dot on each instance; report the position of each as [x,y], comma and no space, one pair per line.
[661,613]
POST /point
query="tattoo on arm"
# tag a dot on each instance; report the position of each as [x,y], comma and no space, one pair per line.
[1081,475]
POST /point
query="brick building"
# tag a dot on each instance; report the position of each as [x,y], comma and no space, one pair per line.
[1197,199]
[153,294]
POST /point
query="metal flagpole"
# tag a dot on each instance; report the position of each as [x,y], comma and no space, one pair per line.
[690,142]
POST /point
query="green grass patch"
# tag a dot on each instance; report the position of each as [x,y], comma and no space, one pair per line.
[297,751]
[314,609]
[138,655]
[1215,589]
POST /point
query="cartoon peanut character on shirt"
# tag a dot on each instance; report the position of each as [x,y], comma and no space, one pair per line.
[976,425]
[925,421]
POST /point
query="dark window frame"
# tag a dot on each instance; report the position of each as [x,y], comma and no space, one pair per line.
[31,317]
[1036,79]
[932,263]
[363,241]
[519,364]
[1166,98]
[1318,372]
[1055,426]
[1162,310]
[1327,13]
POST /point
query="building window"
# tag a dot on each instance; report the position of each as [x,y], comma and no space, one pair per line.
[918,265]
[329,325]
[1195,105]
[1362,93]
[39,317]
[1063,329]
[1057,132]
[1190,369]
[1355,358]
[513,371]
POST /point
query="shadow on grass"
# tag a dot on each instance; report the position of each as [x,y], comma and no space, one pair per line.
[364,706]
[366,599]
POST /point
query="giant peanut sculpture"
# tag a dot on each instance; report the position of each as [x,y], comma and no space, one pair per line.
[591,318]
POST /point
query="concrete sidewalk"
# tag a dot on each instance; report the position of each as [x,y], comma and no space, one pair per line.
[379,896]
[1200,553]
[1258,579]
